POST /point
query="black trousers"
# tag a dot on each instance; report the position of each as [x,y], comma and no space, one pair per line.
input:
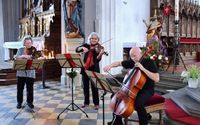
[21,81]
[86,86]
[141,99]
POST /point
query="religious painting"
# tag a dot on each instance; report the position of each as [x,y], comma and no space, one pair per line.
[72,16]
[171,25]
[189,27]
[183,27]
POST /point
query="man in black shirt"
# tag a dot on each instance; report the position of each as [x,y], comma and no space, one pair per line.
[148,67]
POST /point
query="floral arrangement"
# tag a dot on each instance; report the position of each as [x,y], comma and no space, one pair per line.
[192,72]
[71,73]
[155,55]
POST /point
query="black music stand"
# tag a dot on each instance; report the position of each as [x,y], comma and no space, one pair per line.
[176,53]
[70,61]
[100,82]
[24,64]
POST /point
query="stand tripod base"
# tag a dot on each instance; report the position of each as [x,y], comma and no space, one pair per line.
[176,55]
[29,109]
[74,107]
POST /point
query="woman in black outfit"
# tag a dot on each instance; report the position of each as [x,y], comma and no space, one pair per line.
[92,57]
[148,67]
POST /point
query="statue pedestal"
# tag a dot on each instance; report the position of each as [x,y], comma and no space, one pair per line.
[72,43]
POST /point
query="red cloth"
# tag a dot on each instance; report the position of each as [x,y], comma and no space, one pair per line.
[70,61]
[155,99]
[176,113]
[29,64]
[89,61]
[189,120]
[189,40]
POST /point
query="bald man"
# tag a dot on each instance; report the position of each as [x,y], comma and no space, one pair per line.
[148,67]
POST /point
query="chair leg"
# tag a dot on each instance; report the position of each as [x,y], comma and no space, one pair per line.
[160,117]
[125,121]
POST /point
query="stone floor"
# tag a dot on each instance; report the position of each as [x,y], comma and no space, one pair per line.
[48,104]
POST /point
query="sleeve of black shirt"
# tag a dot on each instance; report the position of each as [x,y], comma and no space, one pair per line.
[84,45]
[151,66]
[128,63]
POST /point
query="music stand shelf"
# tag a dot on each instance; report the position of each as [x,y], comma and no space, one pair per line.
[70,61]
[100,82]
[24,64]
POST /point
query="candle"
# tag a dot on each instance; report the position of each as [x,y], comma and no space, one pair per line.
[52,54]
[49,56]
[176,10]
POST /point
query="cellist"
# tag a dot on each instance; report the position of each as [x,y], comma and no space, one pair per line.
[147,66]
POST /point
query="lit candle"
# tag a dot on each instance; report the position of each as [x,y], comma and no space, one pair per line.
[52,54]
[49,56]
[176,10]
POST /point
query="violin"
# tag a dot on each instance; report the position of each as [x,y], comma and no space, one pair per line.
[123,102]
[33,52]
[98,47]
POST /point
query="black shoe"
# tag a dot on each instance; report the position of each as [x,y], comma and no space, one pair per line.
[116,122]
[109,123]
[30,105]
[149,116]
[19,106]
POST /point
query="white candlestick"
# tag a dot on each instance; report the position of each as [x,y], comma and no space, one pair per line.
[176,10]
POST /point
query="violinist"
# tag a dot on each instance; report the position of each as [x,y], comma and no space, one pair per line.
[148,67]
[25,76]
[92,57]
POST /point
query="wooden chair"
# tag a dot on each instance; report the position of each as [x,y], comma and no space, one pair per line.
[155,104]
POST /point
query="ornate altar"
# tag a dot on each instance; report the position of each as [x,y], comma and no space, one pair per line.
[35,21]
[189,25]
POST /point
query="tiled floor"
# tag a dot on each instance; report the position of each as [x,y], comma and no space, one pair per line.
[48,104]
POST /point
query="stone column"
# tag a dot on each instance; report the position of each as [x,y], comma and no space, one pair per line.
[2,34]
[63,45]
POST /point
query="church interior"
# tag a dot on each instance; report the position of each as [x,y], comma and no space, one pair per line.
[87,59]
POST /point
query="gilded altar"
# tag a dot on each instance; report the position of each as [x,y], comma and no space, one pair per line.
[35,21]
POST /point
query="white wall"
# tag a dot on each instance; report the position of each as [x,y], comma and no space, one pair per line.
[122,21]
[1,34]
[133,14]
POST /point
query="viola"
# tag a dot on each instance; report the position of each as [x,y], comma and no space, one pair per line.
[123,102]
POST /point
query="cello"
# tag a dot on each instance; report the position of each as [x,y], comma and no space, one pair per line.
[122,103]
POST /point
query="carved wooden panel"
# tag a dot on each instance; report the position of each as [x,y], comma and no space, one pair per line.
[194,29]
[165,26]
[198,29]
[171,25]
[183,27]
[189,27]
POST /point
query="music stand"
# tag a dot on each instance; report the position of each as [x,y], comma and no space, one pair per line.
[23,64]
[100,82]
[70,61]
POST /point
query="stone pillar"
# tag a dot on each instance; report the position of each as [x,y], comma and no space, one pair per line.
[2,34]
[63,46]
[107,24]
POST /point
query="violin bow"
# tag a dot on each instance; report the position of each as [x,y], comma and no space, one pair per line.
[106,41]
[118,82]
